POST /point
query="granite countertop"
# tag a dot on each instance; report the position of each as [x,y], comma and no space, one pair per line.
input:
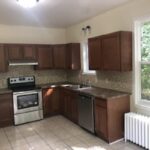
[102,93]
[93,91]
[5,91]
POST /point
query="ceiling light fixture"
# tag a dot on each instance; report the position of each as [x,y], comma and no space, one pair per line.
[27,3]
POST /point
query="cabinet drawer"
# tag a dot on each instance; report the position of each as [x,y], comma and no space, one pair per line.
[100,102]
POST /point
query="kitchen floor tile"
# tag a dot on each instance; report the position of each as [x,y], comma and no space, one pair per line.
[55,133]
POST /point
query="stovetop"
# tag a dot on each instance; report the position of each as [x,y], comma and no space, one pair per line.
[20,89]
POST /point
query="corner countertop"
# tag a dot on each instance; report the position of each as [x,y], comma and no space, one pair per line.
[103,93]
[92,91]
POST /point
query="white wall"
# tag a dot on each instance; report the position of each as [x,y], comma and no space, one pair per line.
[121,18]
[33,35]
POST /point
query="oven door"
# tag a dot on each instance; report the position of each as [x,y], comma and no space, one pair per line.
[27,101]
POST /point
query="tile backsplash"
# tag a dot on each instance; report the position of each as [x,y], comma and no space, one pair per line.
[42,77]
[111,80]
[121,81]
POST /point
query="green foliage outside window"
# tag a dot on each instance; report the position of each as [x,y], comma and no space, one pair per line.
[145,57]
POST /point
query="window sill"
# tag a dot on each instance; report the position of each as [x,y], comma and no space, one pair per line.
[143,105]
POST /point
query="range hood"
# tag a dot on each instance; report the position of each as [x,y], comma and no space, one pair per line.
[23,63]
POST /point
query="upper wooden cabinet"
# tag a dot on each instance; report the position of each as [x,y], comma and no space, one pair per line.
[112,52]
[95,60]
[21,51]
[14,52]
[117,51]
[3,59]
[59,55]
[29,52]
[73,60]
[44,57]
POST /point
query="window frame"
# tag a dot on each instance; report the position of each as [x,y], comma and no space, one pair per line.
[137,62]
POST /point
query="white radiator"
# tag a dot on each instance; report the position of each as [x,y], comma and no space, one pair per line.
[137,129]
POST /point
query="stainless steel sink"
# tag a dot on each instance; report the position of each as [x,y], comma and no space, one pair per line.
[75,86]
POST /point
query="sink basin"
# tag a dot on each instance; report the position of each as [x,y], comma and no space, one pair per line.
[78,86]
[75,86]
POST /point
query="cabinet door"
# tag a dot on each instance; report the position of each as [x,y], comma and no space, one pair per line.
[6,107]
[50,101]
[3,59]
[14,52]
[73,60]
[95,60]
[101,121]
[29,52]
[44,56]
[59,52]
[111,52]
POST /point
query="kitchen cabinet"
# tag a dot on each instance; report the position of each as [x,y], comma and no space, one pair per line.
[3,59]
[69,104]
[21,52]
[109,117]
[6,108]
[44,57]
[59,55]
[73,58]
[95,58]
[117,51]
[14,52]
[111,52]
[51,104]
[29,52]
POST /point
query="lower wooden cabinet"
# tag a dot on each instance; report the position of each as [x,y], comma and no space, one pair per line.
[109,117]
[6,107]
[50,101]
[69,104]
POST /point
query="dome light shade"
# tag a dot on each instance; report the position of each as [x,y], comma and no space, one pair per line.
[27,3]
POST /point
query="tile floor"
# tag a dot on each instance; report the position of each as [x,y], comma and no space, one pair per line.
[55,133]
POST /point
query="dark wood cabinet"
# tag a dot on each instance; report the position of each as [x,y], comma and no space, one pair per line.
[44,57]
[59,55]
[51,104]
[117,51]
[109,117]
[6,107]
[111,52]
[69,104]
[21,52]
[95,58]
[3,59]
[73,60]
[14,52]
[29,52]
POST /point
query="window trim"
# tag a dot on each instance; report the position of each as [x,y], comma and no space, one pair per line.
[139,103]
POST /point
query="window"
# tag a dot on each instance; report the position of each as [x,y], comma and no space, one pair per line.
[85,59]
[142,62]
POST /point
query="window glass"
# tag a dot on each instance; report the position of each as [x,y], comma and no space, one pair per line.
[85,59]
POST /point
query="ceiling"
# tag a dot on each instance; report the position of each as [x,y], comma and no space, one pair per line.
[54,13]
